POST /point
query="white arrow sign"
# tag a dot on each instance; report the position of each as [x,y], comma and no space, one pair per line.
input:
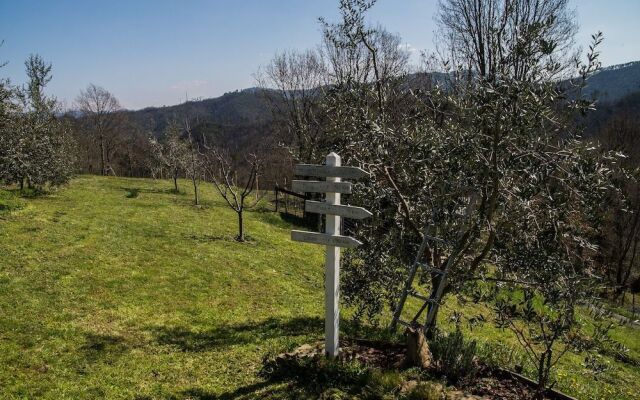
[321,187]
[323,238]
[323,171]
[319,207]
[333,187]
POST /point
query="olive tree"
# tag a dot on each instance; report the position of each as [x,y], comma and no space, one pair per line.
[546,254]
[36,144]
[171,152]
[446,165]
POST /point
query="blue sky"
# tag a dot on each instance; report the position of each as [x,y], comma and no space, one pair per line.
[150,52]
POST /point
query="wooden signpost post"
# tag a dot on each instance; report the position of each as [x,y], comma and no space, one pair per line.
[331,207]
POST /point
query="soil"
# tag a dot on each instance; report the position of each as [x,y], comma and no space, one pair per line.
[495,384]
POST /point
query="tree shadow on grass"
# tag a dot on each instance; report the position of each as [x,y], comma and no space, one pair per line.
[295,378]
[306,378]
[132,192]
[284,220]
[190,340]
[99,347]
[208,238]
[244,392]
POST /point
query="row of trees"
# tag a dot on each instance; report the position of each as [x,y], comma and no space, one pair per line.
[182,154]
[486,155]
[620,238]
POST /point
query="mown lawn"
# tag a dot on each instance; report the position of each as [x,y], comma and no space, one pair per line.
[118,288]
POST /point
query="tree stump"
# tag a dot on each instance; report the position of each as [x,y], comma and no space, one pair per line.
[418,353]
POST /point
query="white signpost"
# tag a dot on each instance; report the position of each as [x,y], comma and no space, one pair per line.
[331,207]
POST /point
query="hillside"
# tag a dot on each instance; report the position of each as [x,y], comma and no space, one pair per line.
[119,288]
[234,110]
[108,296]
[614,82]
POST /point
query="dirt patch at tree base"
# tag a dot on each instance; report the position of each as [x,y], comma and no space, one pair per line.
[488,383]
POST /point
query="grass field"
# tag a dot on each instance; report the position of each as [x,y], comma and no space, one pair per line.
[118,288]
[108,295]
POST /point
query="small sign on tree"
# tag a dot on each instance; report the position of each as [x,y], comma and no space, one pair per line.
[331,207]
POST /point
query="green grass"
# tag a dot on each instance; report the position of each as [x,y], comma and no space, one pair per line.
[620,381]
[119,288]
[108,295]
[625,307]
[9,201]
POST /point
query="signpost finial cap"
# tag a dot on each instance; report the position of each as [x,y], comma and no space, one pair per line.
[333,157]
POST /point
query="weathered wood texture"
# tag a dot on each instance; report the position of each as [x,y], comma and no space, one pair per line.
[323,238]
[336,209]
[321,187]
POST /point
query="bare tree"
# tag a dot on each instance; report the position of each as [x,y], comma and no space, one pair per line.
[192,161]
[225,180]
[100,107]
[621,242]
[294,84]
[489,37]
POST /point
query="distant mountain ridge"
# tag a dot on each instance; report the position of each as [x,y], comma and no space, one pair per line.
[614,82]
[250,110]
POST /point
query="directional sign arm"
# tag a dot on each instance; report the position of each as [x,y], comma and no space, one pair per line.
[352,212]
[323,238]
[321,187]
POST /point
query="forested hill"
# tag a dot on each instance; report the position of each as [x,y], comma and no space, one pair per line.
[245,108]
[615,82]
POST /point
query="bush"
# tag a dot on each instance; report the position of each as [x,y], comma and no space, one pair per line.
[453,356]
[9,201]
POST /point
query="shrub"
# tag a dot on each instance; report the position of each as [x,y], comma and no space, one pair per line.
[453,356]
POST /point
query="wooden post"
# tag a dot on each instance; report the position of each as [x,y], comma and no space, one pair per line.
[332,270]
[333,171]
